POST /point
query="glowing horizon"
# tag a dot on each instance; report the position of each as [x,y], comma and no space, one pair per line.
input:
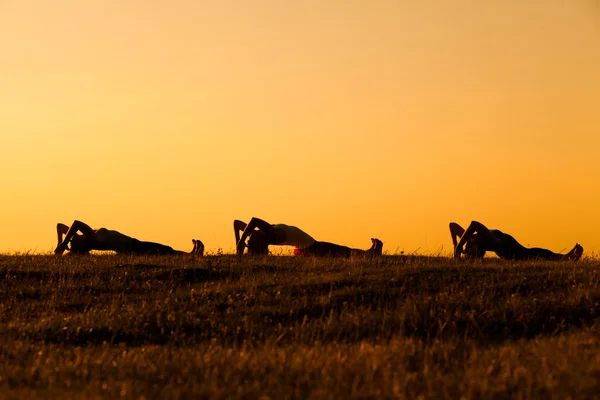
[348,120]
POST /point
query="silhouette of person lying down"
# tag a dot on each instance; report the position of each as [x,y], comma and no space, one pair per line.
[477,240]
[261,234]
[103,239]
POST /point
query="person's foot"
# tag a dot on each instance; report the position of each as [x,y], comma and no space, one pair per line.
[376,247]
[198,247]
[575,253]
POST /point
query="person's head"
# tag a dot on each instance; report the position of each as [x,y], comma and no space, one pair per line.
[80,244]
[258,243]
[473,250]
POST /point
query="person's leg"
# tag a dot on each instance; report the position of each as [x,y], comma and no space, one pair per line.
[376,247]
[544,254]
[139,247]
[325,249]
[541,254]
[375,250]
[198,247]
[576,253]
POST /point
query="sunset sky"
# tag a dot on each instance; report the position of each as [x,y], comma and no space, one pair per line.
[352,119]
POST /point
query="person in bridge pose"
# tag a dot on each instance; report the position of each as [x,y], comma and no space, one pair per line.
[477,239]
[261,235]
[80,238]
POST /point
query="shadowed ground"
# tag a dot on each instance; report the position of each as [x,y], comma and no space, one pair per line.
[294,327]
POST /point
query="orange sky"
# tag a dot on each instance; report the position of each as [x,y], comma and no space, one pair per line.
[349,119]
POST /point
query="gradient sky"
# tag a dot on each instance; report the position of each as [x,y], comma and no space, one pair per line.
[166,120]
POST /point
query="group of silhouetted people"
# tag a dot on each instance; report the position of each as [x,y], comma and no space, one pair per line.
[257,235]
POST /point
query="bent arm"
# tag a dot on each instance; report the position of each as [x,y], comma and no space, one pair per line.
[456,231]
[61,229]
[487,239]
[238,226]
[77,226]
[473,228]
[255,223]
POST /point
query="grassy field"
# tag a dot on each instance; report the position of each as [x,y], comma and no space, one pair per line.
[285,327]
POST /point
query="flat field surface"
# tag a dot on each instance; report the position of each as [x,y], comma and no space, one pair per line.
[285,327]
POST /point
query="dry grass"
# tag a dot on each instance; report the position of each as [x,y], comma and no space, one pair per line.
[284,327]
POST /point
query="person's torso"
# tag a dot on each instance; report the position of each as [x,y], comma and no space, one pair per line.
[509,247]
[113,240]
[294,236]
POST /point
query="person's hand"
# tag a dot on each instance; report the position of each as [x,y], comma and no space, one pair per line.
[61,248]
[457,251]
[240,247]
